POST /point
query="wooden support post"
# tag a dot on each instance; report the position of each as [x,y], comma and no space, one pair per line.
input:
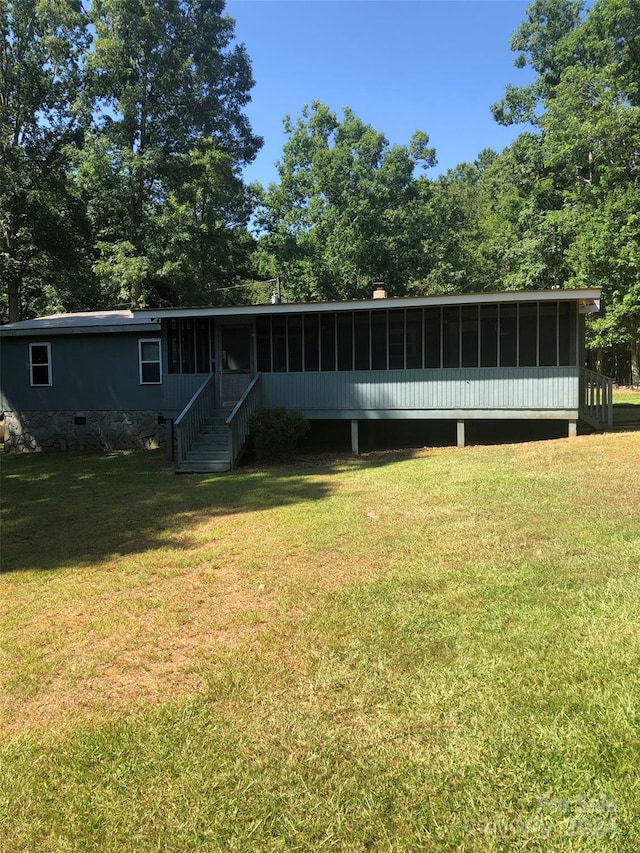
[460,433]
[354,438]
[573,429]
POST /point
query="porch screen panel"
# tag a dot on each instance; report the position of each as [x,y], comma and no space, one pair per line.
[295,343]
[469,328]
[361,339]
[279,343]
[508,335]
[311,342]
[173,344]
[396,340]
[263,344]
[432,339]
[205,362]
[528,335]
[378,340]
[344,332]
[489,336]
[451,337]
[548,334]
[566,333]
[327,341]
[187,347]
[414,338]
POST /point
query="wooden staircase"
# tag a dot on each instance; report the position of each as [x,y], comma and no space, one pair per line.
[209,451]
[210,438]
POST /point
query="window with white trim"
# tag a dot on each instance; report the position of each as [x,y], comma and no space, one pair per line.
[40,364]
[150,361]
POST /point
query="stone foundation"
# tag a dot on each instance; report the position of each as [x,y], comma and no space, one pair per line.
[28,432]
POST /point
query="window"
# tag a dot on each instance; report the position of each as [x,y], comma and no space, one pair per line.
[150,371]
[190,346]
[40,364]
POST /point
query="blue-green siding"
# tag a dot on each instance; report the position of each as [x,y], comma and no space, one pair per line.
[94,372]
[411,393]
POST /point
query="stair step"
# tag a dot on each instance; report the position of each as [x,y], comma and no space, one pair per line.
[211,441]
[212,455]
[203,467]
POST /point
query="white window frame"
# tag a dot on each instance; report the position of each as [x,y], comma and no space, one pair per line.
[32,364]
[157,361]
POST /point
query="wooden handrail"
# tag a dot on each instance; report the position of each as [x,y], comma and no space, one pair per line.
[187,424]
[238,420]
[596,397]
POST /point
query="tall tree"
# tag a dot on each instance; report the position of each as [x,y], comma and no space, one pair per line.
[346,210]
[168,80]
[40,121]
[541,44]
[586,102]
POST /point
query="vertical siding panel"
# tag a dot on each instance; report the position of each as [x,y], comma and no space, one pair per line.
[447,388]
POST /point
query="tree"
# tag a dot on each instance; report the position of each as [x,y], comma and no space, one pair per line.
[346,210]
[170,86]
[40,123]
[586,102]
[541,43]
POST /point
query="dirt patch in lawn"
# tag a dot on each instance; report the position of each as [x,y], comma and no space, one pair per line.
[110,643]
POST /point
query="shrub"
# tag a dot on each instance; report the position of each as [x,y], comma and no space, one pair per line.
[276,433]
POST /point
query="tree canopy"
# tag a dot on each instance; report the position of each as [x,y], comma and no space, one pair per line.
[124,135]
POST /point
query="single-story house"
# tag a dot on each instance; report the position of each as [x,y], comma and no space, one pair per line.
[117,379]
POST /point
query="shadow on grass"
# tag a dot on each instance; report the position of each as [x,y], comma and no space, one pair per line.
[65,510]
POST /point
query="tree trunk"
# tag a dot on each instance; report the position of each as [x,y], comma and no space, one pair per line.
[13,292]
[12,273]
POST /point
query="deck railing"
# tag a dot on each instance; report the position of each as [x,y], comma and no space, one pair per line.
[188,422]
[596,398]
[238,420]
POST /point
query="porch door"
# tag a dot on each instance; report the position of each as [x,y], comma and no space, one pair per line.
[236,361]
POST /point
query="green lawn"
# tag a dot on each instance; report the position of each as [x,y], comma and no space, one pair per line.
[626,396]
[437,651]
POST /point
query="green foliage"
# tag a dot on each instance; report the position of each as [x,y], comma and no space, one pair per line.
[346,211]
[171,140]
[276,433]
[41,119]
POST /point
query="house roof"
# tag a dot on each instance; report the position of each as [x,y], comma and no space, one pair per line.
[82,322]
[588,299]
[148,320]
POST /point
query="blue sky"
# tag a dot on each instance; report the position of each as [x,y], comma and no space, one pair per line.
[401,65]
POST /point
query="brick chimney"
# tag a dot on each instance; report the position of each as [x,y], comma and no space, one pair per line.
[380,291]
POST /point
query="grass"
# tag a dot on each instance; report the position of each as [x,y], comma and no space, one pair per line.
[436,651]
[626,396]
